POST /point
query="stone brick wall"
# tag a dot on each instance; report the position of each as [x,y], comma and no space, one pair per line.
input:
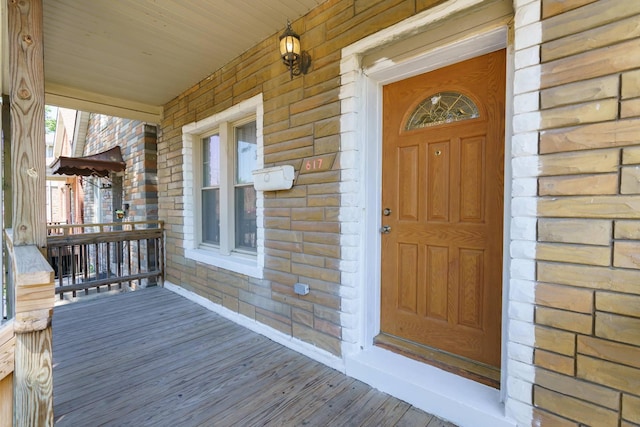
[138,143]
[587,297]
[573,288]
[301,120]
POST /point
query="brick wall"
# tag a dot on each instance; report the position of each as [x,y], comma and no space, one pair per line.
[138,143]
[587,298]
[573,290]
[301,119]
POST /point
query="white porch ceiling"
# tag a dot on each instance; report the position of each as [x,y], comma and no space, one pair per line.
[140,54]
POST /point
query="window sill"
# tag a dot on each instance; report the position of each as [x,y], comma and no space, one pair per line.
[246,265]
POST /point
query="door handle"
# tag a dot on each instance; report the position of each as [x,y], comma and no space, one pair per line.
[385,229]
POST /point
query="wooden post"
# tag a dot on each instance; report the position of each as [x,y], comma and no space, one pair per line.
[27,121]
[33,380]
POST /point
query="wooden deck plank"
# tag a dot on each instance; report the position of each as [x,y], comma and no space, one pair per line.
[310,392]
[153,358]
[304,408]
[389,413]
[131,352]
[232,393]
[150,361]
[360,410]
[283,397]
[414,418]
[129,310]
[133,376]
[159,401]
[254,406]
[119,344]
[91,328]
[326,413]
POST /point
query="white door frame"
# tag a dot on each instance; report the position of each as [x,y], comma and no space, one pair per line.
[373,81]
[361,123]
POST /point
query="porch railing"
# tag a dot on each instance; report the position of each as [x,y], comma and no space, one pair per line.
[7,299]
[101,256]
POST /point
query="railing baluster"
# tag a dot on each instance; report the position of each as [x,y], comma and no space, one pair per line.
[121,252]
[60,269]
[96,265]
[72,262]
[139,256]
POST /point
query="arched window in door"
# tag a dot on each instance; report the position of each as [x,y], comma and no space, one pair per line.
[440,108]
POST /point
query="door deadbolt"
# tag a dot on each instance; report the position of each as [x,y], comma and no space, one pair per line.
[386,212]
[385,229]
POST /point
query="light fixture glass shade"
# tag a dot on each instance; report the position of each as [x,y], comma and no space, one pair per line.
[297,60]
[289,44]
[289,47]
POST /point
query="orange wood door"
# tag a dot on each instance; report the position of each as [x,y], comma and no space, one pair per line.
[443,183]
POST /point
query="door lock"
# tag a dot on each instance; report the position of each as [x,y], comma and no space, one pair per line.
[386,212]
[385,229]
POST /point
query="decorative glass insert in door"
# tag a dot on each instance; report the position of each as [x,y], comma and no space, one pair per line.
[442,107]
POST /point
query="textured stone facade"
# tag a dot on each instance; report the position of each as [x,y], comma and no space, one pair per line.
[587,323]
[138,183]
[571,337]
[303,233]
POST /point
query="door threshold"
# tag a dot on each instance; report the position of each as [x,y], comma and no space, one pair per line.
[458,365]
[462,401]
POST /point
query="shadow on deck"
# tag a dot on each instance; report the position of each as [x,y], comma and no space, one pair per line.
[152,357]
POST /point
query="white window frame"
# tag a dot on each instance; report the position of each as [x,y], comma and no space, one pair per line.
[225,256]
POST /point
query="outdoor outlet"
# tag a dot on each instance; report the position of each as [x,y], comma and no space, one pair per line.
[301,289]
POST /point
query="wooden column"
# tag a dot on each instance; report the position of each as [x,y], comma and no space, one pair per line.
[33,278]
[27,122]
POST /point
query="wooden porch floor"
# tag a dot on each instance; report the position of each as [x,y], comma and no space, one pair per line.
[154,358]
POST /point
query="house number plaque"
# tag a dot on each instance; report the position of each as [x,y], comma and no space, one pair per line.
[317,163]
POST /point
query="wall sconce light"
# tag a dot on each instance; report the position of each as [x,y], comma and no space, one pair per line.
[298,61]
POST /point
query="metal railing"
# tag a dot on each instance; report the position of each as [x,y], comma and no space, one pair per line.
[7,299]
[101,256]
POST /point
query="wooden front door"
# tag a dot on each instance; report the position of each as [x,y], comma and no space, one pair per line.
[442,199]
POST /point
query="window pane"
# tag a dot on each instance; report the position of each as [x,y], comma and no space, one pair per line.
[443,107]
[211,161]
[211,216]
[246,217]
[246,152]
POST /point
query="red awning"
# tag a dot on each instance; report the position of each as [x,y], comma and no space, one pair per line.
[100,164]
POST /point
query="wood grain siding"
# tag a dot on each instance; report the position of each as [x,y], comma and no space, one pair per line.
[7,349]
[589,223]
[6,400]
[6,329]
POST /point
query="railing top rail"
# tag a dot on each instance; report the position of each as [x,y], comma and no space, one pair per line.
[105,236]
[66,229]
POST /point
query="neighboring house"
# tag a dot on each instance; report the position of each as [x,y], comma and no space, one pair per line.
[98,189]
[60,190]
[134,190]
[465,207]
